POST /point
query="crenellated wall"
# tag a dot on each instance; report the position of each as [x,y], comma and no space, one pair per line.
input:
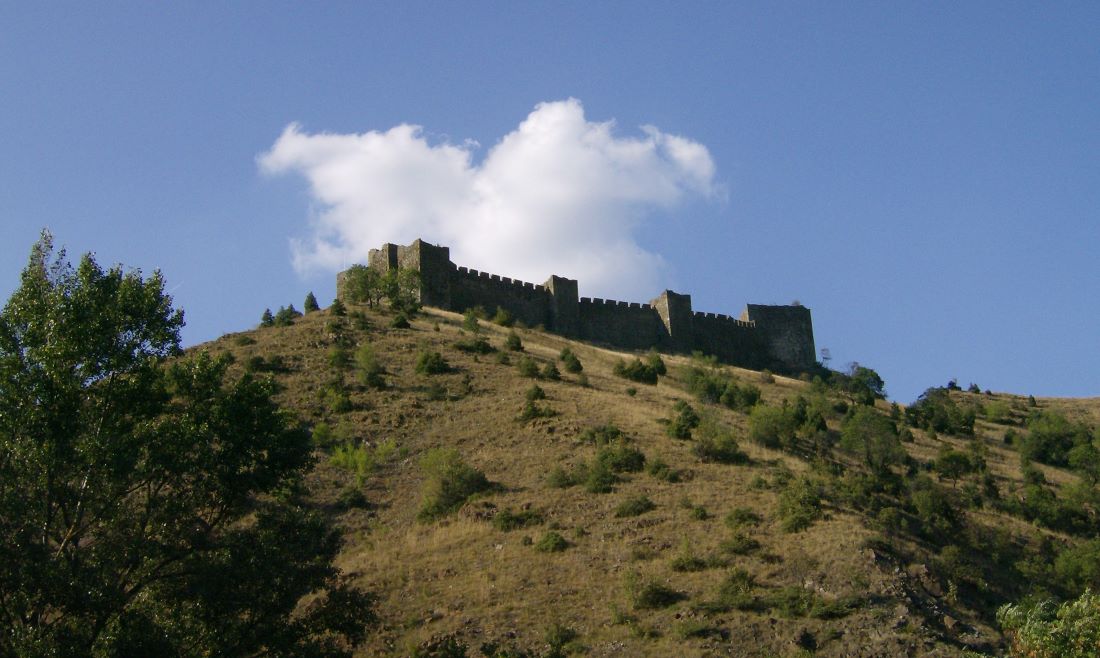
[777,337]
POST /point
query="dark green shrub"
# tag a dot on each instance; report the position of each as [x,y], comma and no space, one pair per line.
[635,506]
[528,367]
[559,478]
[739,544]
[937,411]
[662,471]
[699,513]
[503,317]
[772,427]
[338,357]
[741,517]
[621,458]
[244,340]
[535,393]
[431,363]
[352,498]
[550,372]
[715,443]
[1051,438]
[470,320]
[735,592]
[599,478]
[551,542]
[532,411]
[799,504]
[371,372]
[874,438]
[684,419]
[636,371]
[603,435]
[654,361]
[267,319]
[651,595]
[400,321]
[570,361]
[631,391]
[337,308]
[285,317]
[449,482]
[310,305]
[475,345]
[435,392]
[512,342]
[506,520]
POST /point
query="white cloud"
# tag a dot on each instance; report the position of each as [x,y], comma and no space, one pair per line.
[558,195]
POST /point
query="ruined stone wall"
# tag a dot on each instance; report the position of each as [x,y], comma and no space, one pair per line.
[527,302]
[622,324]
[786,331]
[731,340]
[777,337]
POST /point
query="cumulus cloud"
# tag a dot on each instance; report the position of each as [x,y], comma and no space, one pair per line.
[557,195]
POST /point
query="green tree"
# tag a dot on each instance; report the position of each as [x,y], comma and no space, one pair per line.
[363,285]
[1049,630]
[872,436]
[267,319]
[141,504]
[310,305]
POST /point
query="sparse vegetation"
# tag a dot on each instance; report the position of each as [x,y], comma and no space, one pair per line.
[449,482]
[430,362]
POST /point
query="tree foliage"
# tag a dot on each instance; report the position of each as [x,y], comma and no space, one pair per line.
[872,436]
[140,503]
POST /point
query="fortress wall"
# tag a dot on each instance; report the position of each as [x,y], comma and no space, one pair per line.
[787,332]
[527,302]
[731,340]
[623,324]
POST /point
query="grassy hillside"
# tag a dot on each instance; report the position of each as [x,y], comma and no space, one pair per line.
[717,544]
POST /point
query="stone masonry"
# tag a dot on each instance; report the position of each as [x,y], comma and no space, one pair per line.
[777,337]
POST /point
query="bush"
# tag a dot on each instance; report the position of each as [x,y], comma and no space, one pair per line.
[621,458]
[662,471]
[506,520]
[772,427]
[715,444]
[636,371]
[1049,630]
[310,304]
[528,367]
[535,393]
[599,478]
[267,319]
[475,345]
[739,544]
[656,363]
[651,595]
[370,371]
[449,482]
[735,592]
[337,308]
[285,317]
[1051,438]
[937,411]
[874,438]
[570,361]
[713,386]
[431,363]
[799,504]
[512,342]
[470,320]
[532,411]
[603,435]
[559,478]
[503,317]
[684,419]
[635,506]
[1078,567]
[550,372]
[338,357]
[551,542]
[400,321]
[740,517]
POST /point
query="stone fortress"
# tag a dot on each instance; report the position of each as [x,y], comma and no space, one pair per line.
[777,337]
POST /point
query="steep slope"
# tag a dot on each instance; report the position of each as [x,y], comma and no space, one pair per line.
[710,569]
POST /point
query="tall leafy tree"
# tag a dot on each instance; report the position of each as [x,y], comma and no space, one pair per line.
[145,506]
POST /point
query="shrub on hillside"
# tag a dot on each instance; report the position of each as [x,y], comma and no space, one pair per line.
[503,317]
[506,520]
[636,371]
[684,419]
[937,411]
[528,367]
[772,427]
[872,437]
[570,361]
[449,482]
[551,542]
[513,343]
[714,442]
[431,363]
[370,370]
[285,317]
[475,345]
[799,504]
[310,305]
[1051,437]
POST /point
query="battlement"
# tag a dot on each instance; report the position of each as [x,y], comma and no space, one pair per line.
[777,337]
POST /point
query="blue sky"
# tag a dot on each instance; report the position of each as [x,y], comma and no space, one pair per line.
[924,176]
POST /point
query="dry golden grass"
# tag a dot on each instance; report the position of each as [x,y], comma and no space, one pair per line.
[460,575]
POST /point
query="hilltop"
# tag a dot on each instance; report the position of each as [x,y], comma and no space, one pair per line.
[753,533]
